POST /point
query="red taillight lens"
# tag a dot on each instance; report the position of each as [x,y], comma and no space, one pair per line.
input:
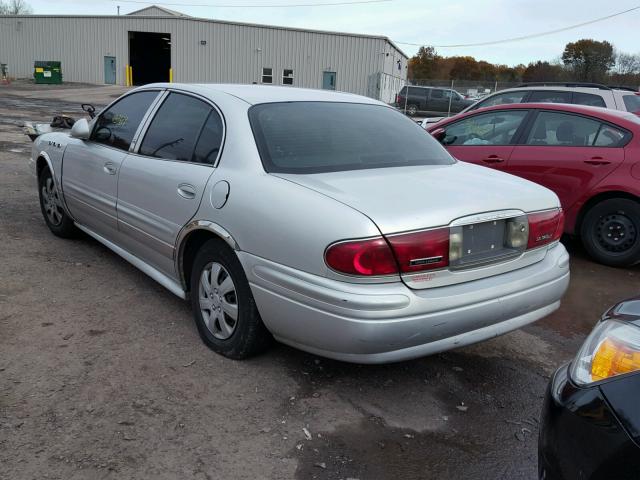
[545,227]
[420,251]
[362,257]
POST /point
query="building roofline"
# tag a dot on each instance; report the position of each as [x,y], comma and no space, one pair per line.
[210,20]
[168,11]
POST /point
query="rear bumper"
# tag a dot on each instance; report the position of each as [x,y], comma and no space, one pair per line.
[381,323]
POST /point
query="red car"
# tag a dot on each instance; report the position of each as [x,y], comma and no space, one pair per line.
[590,157]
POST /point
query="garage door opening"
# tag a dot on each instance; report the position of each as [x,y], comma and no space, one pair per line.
[149,57]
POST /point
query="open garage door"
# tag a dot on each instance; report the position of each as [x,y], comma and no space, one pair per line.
[149,57]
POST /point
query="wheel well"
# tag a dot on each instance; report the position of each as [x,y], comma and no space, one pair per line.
[597,199]
[192,244]
[41,164]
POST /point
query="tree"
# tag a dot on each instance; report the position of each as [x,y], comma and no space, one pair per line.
[627,64]
[423,65]
[15,7]
[543,72]
[589,60]
[464,68]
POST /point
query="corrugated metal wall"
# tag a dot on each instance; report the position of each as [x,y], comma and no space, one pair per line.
[233,53]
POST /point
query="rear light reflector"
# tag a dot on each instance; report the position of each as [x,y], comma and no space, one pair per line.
[368,257]
[421,251]
[545,227]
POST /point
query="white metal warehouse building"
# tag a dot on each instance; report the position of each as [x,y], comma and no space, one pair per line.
[163,45]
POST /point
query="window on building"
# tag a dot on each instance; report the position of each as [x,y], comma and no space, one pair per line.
[267,75]
[287,77]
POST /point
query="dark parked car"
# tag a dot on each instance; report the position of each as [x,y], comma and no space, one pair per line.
[431,101]
[590,425]
[589,156]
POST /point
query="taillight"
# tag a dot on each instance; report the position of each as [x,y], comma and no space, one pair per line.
[420,251]
[545,227]
[362,257]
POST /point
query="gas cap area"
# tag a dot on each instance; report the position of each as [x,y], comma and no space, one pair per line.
[220,194]
[635,170]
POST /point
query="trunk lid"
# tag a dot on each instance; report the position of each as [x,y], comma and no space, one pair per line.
[412,198]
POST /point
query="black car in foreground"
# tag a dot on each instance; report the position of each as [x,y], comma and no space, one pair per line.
[590,427]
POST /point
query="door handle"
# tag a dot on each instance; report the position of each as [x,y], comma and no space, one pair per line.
[597,161]
[110,169]
[493,159]
[186,190]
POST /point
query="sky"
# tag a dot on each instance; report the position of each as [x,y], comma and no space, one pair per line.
[428,22]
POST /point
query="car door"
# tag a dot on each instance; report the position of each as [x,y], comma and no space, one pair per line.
[568,153]
[90,167]
[485,138]
[438,101]
[162,182]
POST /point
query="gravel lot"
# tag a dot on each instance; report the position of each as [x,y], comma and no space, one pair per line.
[103,375]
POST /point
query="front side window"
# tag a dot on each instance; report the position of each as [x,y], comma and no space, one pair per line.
[549,96]
[494,128]
[175,128]
[117,126]
[287,76]
[588,99]
[563,129]
[267,75]
[314,137]
[437,93]
[502,99]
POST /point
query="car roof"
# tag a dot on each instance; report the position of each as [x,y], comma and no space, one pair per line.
[255,94]
[586,88]
[614,116]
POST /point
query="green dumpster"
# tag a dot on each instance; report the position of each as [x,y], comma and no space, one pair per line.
[47,72]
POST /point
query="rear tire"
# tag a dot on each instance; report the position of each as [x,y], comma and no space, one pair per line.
[412,110]
[223,306]
[611,232]
[53,212]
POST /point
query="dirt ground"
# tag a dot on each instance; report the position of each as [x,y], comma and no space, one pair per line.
[103,375]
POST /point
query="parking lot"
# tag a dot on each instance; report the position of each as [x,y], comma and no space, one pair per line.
[103,375]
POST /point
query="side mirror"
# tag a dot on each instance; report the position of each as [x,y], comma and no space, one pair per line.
[439,134]
[80,129]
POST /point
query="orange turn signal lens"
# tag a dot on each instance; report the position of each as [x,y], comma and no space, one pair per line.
[614,358]
[612,349]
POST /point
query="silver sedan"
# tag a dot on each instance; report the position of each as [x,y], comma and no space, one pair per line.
[328,221]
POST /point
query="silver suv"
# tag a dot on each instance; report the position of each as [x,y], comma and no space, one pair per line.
[592,94]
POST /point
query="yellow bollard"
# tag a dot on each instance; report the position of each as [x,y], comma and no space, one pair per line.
[126,76]
[171,75]
[130,76]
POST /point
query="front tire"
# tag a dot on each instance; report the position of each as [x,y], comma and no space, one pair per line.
[611,232]
[223,306]
[53,212]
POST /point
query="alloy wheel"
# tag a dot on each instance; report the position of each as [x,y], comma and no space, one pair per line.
[51,202]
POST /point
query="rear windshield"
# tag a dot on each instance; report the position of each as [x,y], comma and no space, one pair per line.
[315,137]
[632,103]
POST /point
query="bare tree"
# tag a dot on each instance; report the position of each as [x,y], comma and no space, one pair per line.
[628,63]
[15,7]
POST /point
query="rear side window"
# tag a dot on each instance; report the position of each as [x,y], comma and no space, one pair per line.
[210,140]
[175,128]
[417,92]
[503,99]
[116,126]
[314,137]
[493,128]
[588,99]
[546,96]
[563,129]
[609,136]
[632,103]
